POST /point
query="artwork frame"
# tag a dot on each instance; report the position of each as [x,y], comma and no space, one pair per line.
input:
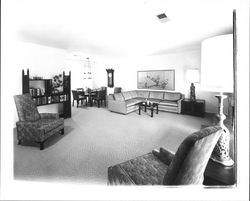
[156,79]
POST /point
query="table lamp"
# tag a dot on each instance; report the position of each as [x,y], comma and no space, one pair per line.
[192,76]
[217,76]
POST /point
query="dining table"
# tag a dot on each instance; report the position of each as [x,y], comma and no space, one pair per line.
[89,94]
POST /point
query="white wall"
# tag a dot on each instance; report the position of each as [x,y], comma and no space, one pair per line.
[41,60]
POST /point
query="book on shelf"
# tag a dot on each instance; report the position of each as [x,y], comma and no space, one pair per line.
[55,99]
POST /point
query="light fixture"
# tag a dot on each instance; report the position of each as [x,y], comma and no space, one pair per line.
[217,76]
[192,76]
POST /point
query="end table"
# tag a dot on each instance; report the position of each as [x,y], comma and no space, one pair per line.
[195,108]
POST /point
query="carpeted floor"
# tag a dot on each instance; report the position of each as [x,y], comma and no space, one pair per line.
[95,139]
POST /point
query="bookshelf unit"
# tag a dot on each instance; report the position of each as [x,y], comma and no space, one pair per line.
[41,91]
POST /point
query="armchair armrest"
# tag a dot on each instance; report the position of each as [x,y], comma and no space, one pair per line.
[164,155]
[49,115]
[31,124]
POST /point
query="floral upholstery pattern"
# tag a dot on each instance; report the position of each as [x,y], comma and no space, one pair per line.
[26,108]
[40,127]
[143,170]
[186,167]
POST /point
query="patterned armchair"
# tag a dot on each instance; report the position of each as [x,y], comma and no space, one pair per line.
[33,126]
[185,167]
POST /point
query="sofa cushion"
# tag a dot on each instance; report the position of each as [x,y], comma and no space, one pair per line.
[169,103]
[156,95]
[132,102]
[119,97]
[49,124]
[142,170]
[133,94]
[126,95]
[142,94]
[140,99]
[172,96]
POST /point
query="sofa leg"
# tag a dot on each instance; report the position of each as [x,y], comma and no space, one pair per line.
[18,141]
[62,131]
[41,145]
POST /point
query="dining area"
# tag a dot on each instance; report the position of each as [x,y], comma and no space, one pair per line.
[89,97]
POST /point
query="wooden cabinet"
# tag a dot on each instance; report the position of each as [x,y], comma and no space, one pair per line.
[42,93]
[196,108]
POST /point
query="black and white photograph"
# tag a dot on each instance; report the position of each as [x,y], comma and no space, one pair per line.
[124,100]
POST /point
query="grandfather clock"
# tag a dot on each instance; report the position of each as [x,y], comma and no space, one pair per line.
[110,74]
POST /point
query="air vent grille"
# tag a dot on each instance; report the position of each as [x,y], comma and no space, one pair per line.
[162,16]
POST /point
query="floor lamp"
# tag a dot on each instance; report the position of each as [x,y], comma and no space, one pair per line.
[217,76]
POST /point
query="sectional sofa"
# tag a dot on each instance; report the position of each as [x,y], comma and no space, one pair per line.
[126,102]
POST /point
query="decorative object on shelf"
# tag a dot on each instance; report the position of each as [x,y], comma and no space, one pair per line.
[110,74]
[192,76]
[57,83]
[156,79]
[217,69]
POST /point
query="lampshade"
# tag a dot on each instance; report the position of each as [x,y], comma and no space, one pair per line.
[217,63]
[192,75]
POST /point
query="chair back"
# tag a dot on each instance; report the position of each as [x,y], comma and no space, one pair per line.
[192,156]
[26,108]
[117,90]
[75,94]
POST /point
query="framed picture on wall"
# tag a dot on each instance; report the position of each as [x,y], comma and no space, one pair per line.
[156,80]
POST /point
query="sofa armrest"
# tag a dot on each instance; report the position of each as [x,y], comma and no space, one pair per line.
[164,155]
[49,115]
[117,106]
[179,103]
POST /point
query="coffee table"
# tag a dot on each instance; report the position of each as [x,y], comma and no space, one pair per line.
[148,105]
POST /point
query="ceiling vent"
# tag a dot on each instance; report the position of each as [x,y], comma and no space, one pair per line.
[162,17]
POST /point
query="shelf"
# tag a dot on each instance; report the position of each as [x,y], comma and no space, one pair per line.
[41,92]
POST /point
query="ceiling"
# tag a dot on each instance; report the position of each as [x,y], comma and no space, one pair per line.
[118,28]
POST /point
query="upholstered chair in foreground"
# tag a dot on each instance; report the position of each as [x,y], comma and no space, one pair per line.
[185,167]
[34,126]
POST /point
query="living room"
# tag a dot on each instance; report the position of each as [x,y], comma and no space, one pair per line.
[96,138]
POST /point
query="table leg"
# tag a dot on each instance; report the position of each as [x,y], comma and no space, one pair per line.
[152,111]
[145,109]
[157,109]
[139,109]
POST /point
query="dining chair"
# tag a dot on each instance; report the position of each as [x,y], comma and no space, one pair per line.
[117,90]
[78,96]
[100,97]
